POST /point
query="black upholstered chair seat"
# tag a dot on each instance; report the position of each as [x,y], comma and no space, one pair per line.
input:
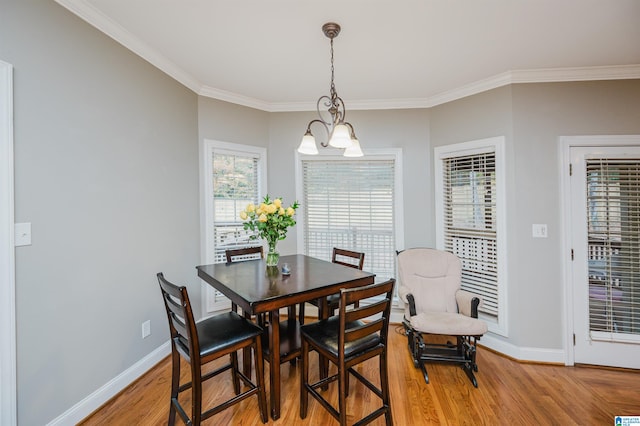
[325,334]
[220,332]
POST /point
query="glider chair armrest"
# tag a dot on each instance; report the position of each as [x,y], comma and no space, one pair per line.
[412,304]
[468,303]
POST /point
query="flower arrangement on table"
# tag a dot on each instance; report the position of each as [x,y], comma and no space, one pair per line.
[270,220]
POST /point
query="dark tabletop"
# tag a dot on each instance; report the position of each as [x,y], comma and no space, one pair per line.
[257,288]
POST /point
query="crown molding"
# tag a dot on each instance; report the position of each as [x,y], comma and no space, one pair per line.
[234,98]
[555,75]
[99,20]
[88,13]
[547,75]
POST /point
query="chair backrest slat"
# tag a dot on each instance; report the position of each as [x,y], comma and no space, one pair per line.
[359,332]
[353,259]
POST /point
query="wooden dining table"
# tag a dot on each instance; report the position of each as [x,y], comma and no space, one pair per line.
[258,289]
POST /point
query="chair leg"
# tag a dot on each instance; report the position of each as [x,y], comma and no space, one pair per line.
[304,379]
[342,394]
[234,372]
[259,366]
[323,363]
[384,387]
[196,394]
[418,349]
[175,385]
[469,354]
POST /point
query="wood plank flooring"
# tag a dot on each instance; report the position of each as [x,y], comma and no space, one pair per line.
[508,393]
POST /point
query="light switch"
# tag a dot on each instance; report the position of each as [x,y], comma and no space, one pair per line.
[539,230]
[22,234]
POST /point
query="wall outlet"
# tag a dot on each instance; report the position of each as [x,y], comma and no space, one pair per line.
[146,328]
[539,230]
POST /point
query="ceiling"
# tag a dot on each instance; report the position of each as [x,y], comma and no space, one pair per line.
[272,54]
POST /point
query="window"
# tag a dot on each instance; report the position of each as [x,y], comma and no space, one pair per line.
[234,177]
[470,219]
[353,204]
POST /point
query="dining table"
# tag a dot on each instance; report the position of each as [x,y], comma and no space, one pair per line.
[259,289]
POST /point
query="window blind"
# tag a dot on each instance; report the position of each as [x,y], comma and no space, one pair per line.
[350,205]
[470,232]
[235,184]
[613,215]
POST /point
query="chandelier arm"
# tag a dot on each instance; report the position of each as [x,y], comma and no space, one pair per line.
[353,132]
[326,129]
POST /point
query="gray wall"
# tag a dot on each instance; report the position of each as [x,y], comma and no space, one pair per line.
[106,148]
[107,163]
[532,117]
[541,114]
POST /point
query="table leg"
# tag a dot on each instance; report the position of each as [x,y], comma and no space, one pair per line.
[323,362]
[274,363]
[246,354]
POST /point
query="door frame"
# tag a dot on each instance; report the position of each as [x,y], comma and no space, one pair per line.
[8,387]
[565,145]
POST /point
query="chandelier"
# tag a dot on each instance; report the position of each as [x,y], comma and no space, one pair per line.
[340,133]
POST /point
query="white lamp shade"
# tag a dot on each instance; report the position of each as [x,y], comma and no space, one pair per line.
[340,137]
[308,145]
[353,150]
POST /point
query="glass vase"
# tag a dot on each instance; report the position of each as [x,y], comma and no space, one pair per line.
[272,255]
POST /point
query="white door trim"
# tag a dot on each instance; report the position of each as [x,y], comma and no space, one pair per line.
[8,399]
[565,145]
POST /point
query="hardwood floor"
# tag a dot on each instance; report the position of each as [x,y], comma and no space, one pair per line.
[508,392]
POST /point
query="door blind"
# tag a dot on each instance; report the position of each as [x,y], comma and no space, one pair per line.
[613,215]
[350,205]
[469,189]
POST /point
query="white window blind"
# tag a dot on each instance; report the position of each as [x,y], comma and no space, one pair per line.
[350,204]
[613,208]
[470,231]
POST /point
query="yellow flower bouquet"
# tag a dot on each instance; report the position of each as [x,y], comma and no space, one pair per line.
[270,220]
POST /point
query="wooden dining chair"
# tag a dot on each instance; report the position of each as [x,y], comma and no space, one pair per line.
[350,258]
[289,332]
[246,253]
[202,342]
[241,255]
[355,335]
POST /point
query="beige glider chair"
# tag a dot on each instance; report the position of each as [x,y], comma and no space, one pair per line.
[435,304]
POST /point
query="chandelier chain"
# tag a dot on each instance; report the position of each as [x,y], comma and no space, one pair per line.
[333,86]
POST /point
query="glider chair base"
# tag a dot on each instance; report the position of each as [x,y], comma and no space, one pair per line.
[462,352]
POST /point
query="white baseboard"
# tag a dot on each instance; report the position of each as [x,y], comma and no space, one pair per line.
[93,401]
[519,353]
